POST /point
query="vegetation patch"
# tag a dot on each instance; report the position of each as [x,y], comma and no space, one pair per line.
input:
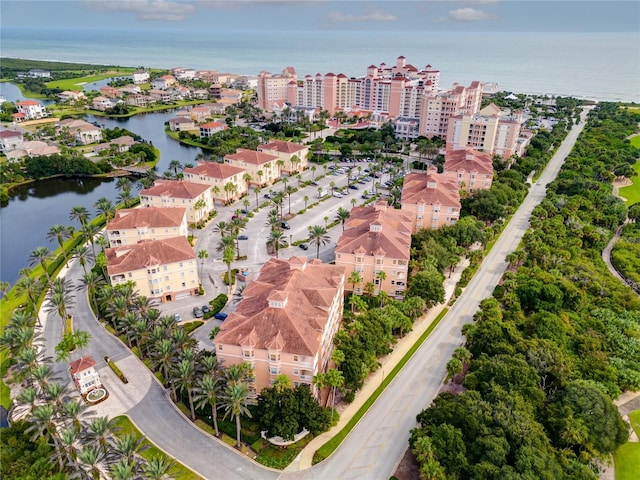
[631,193]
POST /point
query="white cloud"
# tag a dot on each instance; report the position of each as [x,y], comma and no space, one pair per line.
[467,14]
[373,14]
[146,9]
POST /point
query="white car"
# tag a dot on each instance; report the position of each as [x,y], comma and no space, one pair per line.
[337,194]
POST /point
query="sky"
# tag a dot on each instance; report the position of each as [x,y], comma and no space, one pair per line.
[319,15]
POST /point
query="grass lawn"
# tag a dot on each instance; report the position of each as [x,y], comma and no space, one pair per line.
[75,84]
[635,141]
[179,472]
[627,457]
[632,192]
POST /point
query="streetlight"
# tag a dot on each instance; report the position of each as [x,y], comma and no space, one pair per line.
[290,240]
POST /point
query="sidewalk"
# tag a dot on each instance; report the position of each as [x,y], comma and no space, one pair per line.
[305,458]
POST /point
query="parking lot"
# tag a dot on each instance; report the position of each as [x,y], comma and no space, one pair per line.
[252,240]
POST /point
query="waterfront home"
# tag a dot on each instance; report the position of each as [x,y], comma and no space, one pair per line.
[130,89]
[31,109]
[110,92]
[33,148]
[164,82]
[10,140]
[103,103]
[82,131]
[162,269]
[84,374]
[200,94]
[181,124]
[131,225]
[39,73]
[139,100]
[262,167]
[285,322]
[71,96]
[216,108]
[200,114]
[160,95]
[211,128]
[431,199]
[121,144]
[195,197]
[227,184]
[376,239]
[473,170]
[140,76]
[294,155]
[184,73]
[215,90]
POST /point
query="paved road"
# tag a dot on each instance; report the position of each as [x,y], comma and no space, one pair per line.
[375,446]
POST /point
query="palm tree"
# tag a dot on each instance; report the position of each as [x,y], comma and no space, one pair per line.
[306,200]
[122,470]
[342,216]
[208,392]
[128,446]
[381,276]
[92,282]
[101,429]
[89,459]
[279,164]
[175,165]
[89,231]
[163,359]
[289,190]
[185,379]
[124,196]
[79,213]
[202,255]
[277,240]
[215,190]
[247,179]
[355,278]
[60,300]
[313,172]
[334,379]
[318,236]
[82,254]
[31,287]
[43,425]
[60,233]
[199,206]
[236,400]
[158,468]
[40,256]
[104,206]
[227,257]
[260,174]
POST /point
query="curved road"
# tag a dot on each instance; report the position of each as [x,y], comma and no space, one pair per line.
[375,446]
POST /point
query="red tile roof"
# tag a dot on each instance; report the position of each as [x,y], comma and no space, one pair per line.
[214,170]
[175,188]
[81,364]
[147,217]
[306,287]
[468,160]
[10,134]
[282,146]
[251,156]
[390,235]
[127,258]
[431,189]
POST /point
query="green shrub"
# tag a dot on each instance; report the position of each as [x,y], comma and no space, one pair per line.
[191,326]
[218,303]
[225,277]
[116,370]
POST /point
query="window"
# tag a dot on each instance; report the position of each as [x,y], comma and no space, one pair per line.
[274,357]
[183,284]
[295,358]
[296,371]
[220,348]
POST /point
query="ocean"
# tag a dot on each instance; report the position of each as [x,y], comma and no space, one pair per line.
[600,66]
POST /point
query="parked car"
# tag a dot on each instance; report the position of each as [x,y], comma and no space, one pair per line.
[314,183]
[220,316]
[244,211]
[267,195]
[177,317]
[285,225]
[353,187]
[205,309]
[304,246]
[243,237]
[337,194]
[197,312]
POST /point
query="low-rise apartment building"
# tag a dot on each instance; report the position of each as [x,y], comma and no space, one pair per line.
[31,109]
[226,182]
[132,225]
[211,128]
[473,170]
[431,199]
[10,140]
[195,197]
[294,155]
[376,239]
[286,322]
[263,167]
[161,269]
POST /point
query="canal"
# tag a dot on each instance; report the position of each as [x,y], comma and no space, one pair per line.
[34,208]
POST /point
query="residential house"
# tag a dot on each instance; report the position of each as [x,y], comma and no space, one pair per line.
[160,95]
[139,100]
[84,374]
[103,103]
[140,76]
[181,124]
[294,155]
[131,225]
[226,182]
[110,92]
[200,94]
[215,90]
[184,73]
[121,144]
[10,140]
[211,128]
[285,322]
[473,170]
[431,199]
[71,96]
[200,114]
[33,148]
[195,197]
[131,89]
[263,167]
[164,269]
[31,109]
[376,239]
[82,131]
[164,82]
[39,73]
[231,94]
[216,108]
